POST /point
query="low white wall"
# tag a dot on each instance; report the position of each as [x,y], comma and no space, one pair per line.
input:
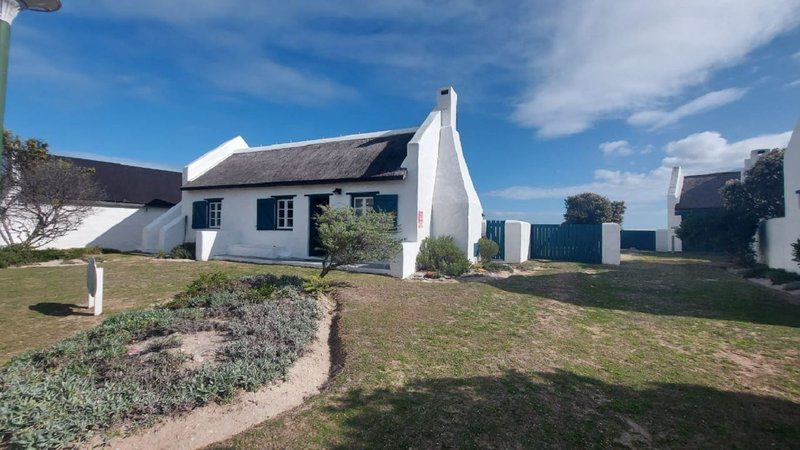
[405,263]
[110,227]
[666,241]
[205,240]
[611,243]
[775,246]
[518,241]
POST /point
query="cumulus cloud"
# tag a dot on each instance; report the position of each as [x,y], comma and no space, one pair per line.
[659,118]
[616,148]
[709,151]
[611,58]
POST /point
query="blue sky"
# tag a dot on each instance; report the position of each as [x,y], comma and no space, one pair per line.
[555,98]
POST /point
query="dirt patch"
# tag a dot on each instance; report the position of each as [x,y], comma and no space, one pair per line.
[213,423]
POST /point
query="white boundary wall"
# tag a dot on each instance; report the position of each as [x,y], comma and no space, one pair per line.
[518,241]
[612,235]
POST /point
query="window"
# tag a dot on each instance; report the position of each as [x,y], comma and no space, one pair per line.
[214,213]
[363,205]
[285,214]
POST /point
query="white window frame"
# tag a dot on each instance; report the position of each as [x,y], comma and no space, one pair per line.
[214,214]
[364,204]
[284,214]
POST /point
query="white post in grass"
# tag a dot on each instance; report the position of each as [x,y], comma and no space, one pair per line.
[94,283]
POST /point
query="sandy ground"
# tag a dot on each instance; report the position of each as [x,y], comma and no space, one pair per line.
[213,423]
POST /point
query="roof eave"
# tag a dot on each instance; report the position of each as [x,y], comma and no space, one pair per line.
[400,176]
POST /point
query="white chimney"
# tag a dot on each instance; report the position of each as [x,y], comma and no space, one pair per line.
[446,103]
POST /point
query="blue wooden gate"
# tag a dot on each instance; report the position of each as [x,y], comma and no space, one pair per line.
[496,231]
[567,242]
[638,239]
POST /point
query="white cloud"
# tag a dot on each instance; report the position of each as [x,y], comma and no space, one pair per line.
[794,83]
[616,148]
[610,58]
[659,118]
[709,151]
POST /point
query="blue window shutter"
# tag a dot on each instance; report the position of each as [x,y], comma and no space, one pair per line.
[200,215]
[386,203]
[265,214]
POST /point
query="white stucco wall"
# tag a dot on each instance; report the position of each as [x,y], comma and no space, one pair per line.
[201,165]
[457,210]
[518,241]
[673,197]
[612,234]
[781,232]
[117,227]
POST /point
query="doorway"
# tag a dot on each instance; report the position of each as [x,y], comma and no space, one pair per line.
[314,203]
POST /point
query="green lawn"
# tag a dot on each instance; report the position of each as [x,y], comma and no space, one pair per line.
[661,351]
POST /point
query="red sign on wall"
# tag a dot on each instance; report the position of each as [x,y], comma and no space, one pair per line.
[419,219]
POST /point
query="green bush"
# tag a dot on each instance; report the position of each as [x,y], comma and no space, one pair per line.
[777,276]
[183,251]
[20,255]
[317,285]
[95,382]
[497,267]
[487,249]
[441,254]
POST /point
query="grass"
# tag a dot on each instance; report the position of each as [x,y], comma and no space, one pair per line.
[664,351]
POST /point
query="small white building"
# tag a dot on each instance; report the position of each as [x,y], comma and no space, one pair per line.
[777,235]
[258,203]
[130,198]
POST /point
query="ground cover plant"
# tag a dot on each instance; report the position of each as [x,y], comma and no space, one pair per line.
[128,371]
[19,255]
[777,276]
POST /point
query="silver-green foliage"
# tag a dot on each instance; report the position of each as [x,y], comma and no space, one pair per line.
[60,395]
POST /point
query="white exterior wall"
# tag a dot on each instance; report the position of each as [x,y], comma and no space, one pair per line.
[673,197]
[518,241]
[457,211]
[781,232]
[117,227]
[238,236]
[612,235]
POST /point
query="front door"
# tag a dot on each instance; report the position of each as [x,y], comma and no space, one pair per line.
[314,202]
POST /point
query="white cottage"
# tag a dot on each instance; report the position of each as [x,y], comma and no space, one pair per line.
[257,203]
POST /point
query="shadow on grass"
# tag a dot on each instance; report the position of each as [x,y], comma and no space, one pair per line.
[562,409]
[687,289]
[60,309]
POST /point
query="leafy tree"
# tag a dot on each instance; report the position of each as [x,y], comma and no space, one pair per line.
[41,198]
[350,238]
[591,208]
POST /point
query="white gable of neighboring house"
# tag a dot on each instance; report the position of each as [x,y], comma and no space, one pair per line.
[419,172]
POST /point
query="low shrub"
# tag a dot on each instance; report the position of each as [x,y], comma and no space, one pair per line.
[183,251]
[777,276]
[317,285]
[94,381]
[441,254]
[20,255]
[497,267]
[487,249]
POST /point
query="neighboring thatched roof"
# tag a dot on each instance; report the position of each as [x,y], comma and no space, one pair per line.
[703,191]
[121,183]
[371,158]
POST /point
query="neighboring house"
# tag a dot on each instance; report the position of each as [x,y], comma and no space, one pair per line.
[132,197]
[693,194]
[243,203]
[777,235]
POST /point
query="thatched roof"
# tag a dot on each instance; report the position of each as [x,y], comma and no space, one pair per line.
[703,191]
[363,158]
